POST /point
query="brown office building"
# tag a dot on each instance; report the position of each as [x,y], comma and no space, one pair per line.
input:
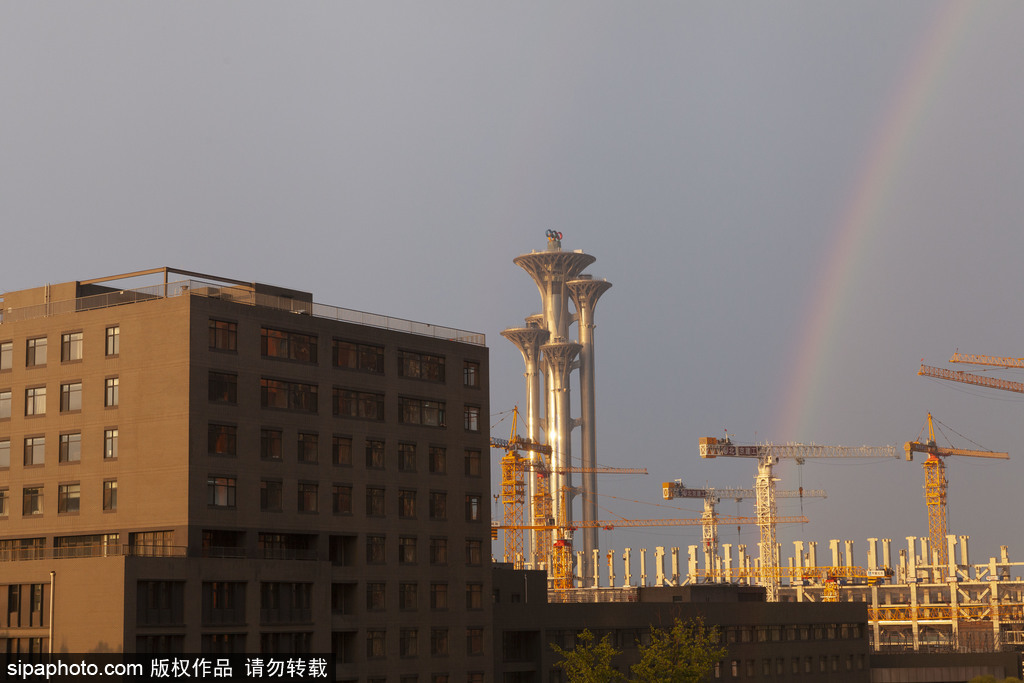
[205,465]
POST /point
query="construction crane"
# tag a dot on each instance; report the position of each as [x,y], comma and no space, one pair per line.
[971,378]
[514,468]
[513,488]
[764,485]
[935,484]
[712,496]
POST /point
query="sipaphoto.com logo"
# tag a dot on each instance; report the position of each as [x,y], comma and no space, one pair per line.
[61,669]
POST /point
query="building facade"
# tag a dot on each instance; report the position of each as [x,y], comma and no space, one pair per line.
[206,465]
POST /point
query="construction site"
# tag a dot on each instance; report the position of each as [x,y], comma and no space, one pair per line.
[923,593]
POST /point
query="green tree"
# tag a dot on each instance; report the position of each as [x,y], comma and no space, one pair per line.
[589,662]
[686,653]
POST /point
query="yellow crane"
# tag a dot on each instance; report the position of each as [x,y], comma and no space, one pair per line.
[935,484]
[971,378]
[514,469]
[764,485]
[712,496]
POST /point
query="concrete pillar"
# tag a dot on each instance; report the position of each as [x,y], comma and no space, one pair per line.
[611,568]
[872,553]
[887,552]
[812,554]
[951,555]
[675,566]
[691,564]
[833,545]
[597,567]
[727,575]
[963,555]
[849,554]
[911,559]
[659,565]
[625,560]
[643,567]
[798,552]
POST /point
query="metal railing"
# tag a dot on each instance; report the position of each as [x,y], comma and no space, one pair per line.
[240,295]
[82,551]
[577,595]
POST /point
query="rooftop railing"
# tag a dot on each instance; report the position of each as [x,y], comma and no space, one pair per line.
[240,295]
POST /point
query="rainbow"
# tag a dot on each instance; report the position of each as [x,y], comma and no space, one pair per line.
[859,220]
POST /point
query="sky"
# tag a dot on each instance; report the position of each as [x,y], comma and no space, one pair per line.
[794,201]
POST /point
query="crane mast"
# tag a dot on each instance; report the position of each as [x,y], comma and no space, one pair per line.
[764,486]
[936,484]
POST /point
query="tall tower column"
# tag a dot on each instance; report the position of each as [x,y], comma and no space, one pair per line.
[585,292]
[558,358]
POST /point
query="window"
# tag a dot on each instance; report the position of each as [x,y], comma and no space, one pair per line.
[474,552]
[341,499]
[406,504]
[31,501]
[220,492]
[341,451]
[439,596]
[407,457]
[421,366]
[407,550]
[288,345]
[70,346]
[438,505]
[421,412]
[70,397]
[223,387]
[4,505]
[223,335]
[35,352]
[356,356]
[375,644]
[439,551]
[270,444]
[439,642]
[68,497]
[35,450]
[294,396]
[110,444]
[6,355]
[308,497]
[70,448]
[473,510]
[407,642]
[222,439]
[438,458]
[470,373]
[474,596]
[472,418]
[309,447]
[376,596]
[35,401]
[375,454]
[113,341]
[375,502]
[5,404]
[364,405]
[376,550]
[111,397]
[474,641]
[407,596]
[270,495]
[5,453]
[472,463]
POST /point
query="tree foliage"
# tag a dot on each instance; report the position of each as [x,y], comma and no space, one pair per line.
[589,662]
[685,653]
